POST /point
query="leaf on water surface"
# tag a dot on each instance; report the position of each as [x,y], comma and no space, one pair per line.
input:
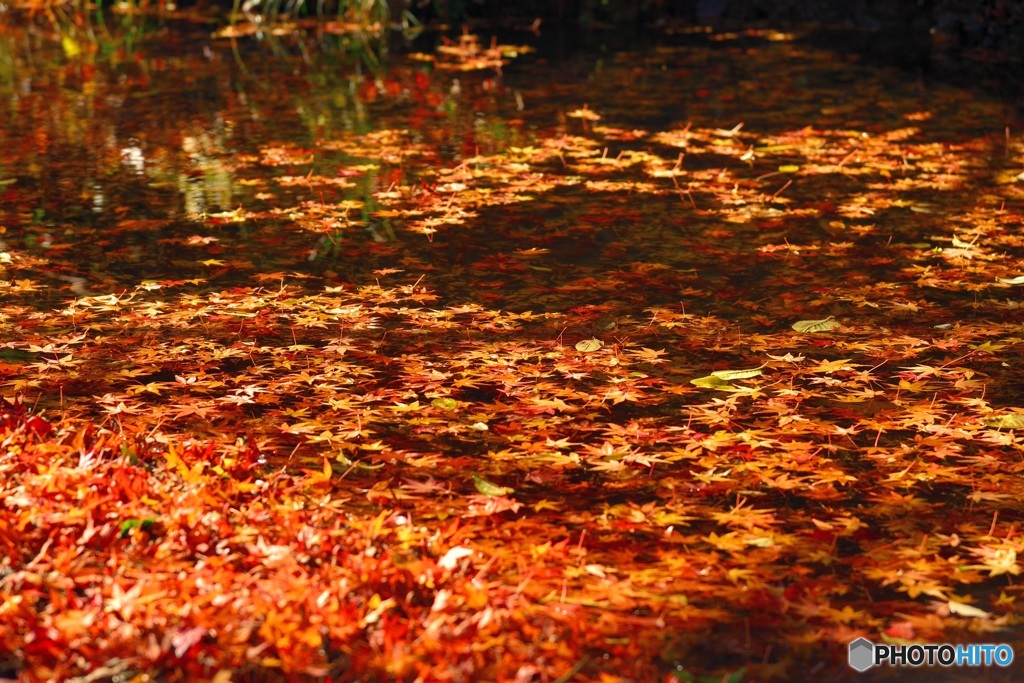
[589,345]
[687,677]
[445,403]
[712,382]
[719,379]
[489,488]
[730,375]
[1010,421]
[129,524]
[450,560]
[1008,177]
[71,47]
[964,610]
[812,326]
[584,113]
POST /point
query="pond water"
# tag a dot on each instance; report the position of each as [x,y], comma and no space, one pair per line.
[399,260]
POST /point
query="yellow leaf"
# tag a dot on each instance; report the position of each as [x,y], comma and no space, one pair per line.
[712,382]
[71,48]
[729,375]
[830,366]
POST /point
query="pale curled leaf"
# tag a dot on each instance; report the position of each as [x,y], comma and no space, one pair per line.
[451,558]
[720,379]
[589,345]
[964,610]
[812,326]
[730,375]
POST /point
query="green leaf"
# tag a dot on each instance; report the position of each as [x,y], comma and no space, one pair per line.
[1010,421]
[687,677]
[812,326]
[16,355]
[489,488]
[445,403]
[712,382]
[129,524]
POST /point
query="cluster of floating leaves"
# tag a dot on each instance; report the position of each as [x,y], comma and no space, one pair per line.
[769,405]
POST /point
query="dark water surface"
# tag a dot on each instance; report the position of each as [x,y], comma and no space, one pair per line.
[118,157]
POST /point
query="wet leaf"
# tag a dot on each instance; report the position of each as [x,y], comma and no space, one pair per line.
[129,524]
[1009,421]
[813,326]
[489,488]
[589,345]
[445,403]
[730,375]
